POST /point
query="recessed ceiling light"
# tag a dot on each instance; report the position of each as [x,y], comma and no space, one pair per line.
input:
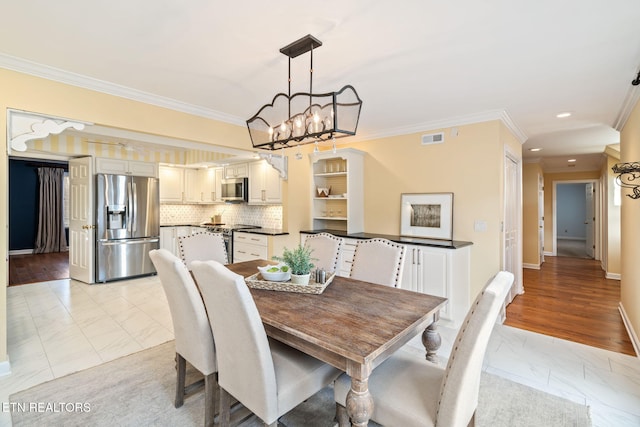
[571,160]
[535,149]
[563,115]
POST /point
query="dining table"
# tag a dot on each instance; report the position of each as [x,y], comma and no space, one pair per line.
[352,325]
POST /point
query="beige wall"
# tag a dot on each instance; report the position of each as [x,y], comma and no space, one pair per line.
[630,284]
[23,92]
[549,179]
[530,236]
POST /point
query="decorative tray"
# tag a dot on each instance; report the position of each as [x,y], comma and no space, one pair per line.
[257,282]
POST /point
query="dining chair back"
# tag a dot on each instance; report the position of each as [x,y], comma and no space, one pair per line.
[411,391]
[326,249]
[203,246]
[267,377]
[378,261]
[191,328]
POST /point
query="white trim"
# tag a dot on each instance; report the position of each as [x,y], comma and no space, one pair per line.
[572,238]
[547,253]
[531,266]
[21,252]
[5,367]
[630,101]
[613,276]
[632,334]
[28,67]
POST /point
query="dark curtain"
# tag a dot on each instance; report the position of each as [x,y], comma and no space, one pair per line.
[51,234]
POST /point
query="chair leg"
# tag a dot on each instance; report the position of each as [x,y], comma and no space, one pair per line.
[210,386]
[181,368]
[342,416]
[225,408]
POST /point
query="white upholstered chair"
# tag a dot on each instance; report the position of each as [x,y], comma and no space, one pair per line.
[325,248]
[193,337]
[378,261]
[267,377]
[203,246]
[409,391]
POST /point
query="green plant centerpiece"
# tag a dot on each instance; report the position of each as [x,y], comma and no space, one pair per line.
[299,261]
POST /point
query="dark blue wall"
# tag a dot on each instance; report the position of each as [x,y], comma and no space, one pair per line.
[23,203]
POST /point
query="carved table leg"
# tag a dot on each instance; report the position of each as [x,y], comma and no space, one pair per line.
[359,403]
[431,340]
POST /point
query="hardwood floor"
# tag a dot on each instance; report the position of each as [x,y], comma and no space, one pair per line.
[570,298]
[34,268]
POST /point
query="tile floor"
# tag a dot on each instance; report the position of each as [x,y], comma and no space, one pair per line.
[58,327]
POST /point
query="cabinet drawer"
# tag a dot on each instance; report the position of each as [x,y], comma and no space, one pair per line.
[245,252]
[254,239]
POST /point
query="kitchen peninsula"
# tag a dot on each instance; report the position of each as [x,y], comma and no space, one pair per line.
[431,266]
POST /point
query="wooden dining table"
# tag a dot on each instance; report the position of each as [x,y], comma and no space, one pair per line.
[352,325]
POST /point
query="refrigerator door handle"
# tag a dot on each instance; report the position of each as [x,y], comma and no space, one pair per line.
[129,207]
[127,242]
[135,207]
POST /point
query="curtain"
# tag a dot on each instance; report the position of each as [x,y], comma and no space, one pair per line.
[51,233]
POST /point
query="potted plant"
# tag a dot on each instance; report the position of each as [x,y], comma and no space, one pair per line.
[299,261]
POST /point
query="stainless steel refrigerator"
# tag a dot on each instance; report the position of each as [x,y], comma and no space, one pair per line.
[127,225]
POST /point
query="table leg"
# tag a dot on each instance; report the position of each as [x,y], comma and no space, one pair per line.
[359,403]
[431,340]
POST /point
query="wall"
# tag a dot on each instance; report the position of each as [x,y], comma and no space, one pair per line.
[29,93]
[23,204]
[630,284]
[571,203]
[549,179]
[611,221]
[530,231]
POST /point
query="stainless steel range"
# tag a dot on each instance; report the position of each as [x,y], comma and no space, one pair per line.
[227,232]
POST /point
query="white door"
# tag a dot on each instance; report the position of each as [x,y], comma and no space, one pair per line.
[541,216]
[81,220]
[511,225]
[589,218]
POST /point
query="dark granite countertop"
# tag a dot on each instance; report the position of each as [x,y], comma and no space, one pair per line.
[265,231]
[446,244]
[181,225]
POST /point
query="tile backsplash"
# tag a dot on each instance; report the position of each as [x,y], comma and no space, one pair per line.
[264,216]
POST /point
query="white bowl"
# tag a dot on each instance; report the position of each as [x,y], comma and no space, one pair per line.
[276,276]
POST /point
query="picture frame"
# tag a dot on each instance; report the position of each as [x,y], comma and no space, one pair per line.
[428,215]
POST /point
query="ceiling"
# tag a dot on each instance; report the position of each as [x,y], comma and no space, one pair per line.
[416,64]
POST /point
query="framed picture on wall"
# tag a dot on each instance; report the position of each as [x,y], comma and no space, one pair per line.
[428,215]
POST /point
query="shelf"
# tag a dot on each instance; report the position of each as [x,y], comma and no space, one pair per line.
[331,174]
[330,198]
[332,218]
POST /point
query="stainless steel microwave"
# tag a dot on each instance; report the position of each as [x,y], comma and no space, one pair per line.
[235,190]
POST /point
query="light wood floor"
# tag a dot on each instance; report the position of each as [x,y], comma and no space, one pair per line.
[570,298]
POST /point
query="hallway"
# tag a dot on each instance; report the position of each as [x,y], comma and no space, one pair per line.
[570,298]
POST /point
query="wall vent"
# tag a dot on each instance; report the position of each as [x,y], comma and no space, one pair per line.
[433,138]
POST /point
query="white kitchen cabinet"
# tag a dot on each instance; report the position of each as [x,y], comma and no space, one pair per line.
[192,186]
[171,184]
[236,170]
[169,237]
[250,246]
[126,167]
[265,184]
[343,173]
[210,185]
[444,272]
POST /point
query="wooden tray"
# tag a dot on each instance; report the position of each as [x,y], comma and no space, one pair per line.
[257,282]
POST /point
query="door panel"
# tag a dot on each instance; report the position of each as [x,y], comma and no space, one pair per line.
[589,218]
[81,220]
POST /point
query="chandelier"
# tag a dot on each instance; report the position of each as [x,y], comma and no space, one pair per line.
[304,118]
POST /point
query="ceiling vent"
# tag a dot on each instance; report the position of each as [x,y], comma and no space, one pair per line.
[433,138]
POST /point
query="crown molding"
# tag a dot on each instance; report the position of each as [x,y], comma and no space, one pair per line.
[630,101]
[51,73]
[468,119]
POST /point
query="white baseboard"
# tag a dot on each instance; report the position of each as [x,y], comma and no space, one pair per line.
[21,252]
[549,254]
[614,276]
[531,266]
[572,238]
[632,334]
[5,367]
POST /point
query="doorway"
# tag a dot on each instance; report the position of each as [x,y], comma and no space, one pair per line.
[576,222]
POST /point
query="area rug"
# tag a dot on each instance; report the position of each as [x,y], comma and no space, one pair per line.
[138,390]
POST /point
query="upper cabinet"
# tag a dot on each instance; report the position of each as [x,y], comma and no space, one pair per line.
[191,186]
[126,167]
[237,170]
[265,185]
[337,191]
